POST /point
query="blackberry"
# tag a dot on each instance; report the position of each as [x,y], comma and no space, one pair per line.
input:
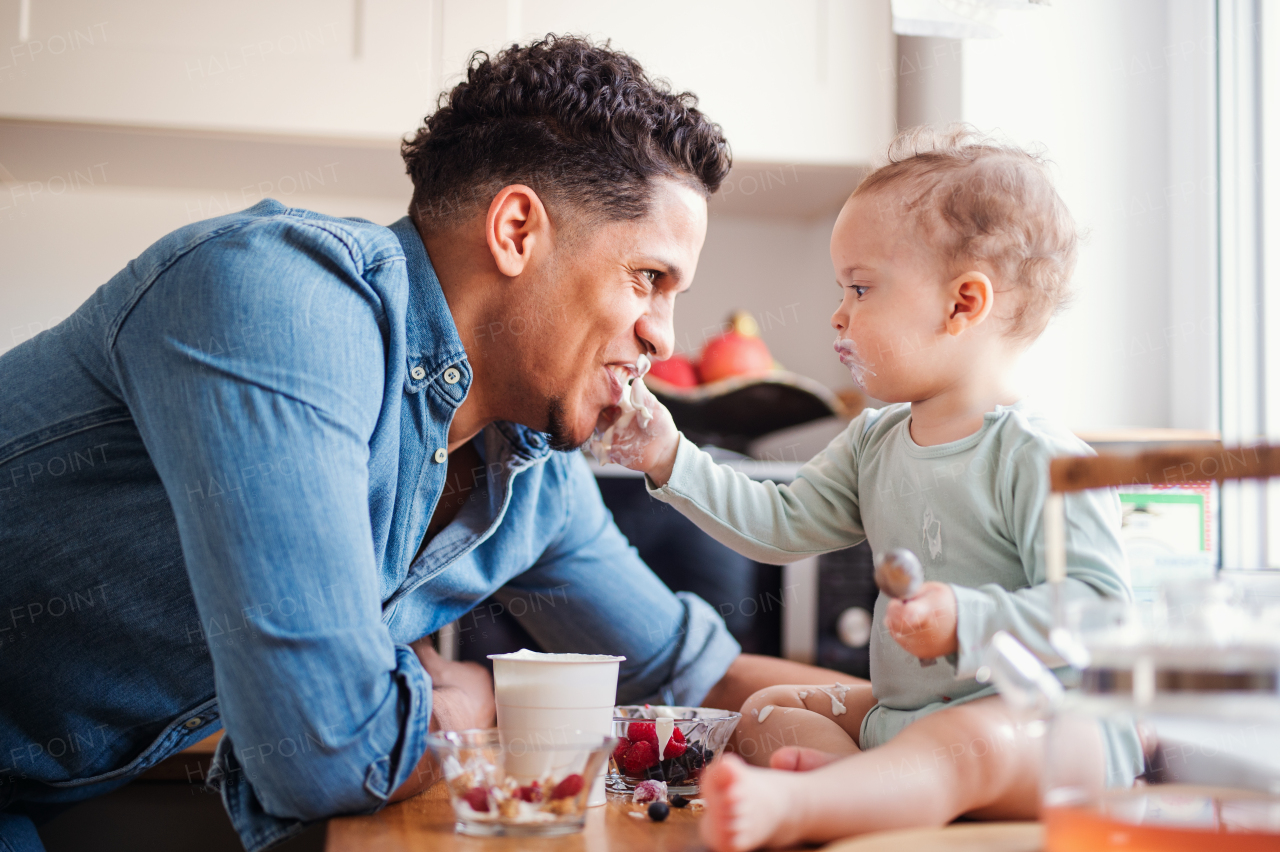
[678,801]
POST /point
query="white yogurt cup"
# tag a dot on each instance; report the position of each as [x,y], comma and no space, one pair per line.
[553,698]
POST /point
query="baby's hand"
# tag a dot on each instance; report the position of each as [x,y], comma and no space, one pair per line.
[925,625]
[639,434]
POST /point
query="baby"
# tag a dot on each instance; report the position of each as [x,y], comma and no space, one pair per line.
[951,259]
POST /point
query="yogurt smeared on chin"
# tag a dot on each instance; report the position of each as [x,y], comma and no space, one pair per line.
[853,361]
[602,444]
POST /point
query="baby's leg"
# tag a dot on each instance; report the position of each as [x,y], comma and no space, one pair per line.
[824,718]
[972,758]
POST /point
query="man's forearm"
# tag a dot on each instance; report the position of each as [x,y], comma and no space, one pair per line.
[451,710]
[461,698]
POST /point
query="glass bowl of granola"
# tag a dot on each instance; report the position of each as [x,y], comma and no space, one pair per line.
[512,786]
[668,744]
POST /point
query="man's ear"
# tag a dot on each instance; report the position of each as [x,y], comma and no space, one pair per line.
[970,300]
[515,224]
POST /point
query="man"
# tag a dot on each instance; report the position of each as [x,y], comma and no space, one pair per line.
[241,484]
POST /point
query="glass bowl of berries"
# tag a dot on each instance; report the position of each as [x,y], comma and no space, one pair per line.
[668,744]
[512,786]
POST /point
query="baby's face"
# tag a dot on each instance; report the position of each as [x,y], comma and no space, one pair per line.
[893,304]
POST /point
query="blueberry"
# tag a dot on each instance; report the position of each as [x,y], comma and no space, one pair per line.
[677,773]
[678,801]
[655,773]
[658,811]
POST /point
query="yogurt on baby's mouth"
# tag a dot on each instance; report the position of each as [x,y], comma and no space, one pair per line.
[849,356]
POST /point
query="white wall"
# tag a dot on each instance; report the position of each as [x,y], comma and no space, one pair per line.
[58,249]
[780,271]
[1119,93]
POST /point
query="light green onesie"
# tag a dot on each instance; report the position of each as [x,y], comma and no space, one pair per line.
[970,509]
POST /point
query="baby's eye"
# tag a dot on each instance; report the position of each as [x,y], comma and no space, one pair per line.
[860,290]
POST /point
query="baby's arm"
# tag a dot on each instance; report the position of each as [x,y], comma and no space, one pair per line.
[1096,564]
[817,513]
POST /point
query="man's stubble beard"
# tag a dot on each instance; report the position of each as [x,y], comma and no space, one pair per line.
[558,430]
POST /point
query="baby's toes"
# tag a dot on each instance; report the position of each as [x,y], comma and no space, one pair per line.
[721,789]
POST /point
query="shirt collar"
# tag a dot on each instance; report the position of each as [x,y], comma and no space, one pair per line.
[431,336]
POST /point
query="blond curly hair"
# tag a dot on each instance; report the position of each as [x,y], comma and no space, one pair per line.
[981,200]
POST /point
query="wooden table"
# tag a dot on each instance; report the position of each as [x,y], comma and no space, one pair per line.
[425,822]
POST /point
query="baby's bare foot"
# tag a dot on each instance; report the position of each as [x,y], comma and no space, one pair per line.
[800,759]
[748,808]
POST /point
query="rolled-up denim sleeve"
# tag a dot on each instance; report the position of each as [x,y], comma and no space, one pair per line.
[255,377]
[591,593]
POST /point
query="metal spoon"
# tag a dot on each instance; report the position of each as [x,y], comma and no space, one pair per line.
[898,573]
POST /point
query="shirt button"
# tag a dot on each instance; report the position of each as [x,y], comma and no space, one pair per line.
[194,722]
[418,373]
[451,376]
[441,455]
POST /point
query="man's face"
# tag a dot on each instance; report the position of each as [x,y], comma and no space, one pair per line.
[602,298]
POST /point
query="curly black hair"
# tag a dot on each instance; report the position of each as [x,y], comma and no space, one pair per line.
[579,123]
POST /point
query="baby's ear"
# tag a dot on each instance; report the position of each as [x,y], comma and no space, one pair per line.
[970,298]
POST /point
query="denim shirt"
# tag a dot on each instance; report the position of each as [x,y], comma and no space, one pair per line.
[214,480]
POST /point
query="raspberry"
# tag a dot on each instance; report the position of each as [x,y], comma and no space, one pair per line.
[478,799]
[649,791]
[642,732]
[676,745]
[640,757]
[569,786]
[532,793]
[621,750]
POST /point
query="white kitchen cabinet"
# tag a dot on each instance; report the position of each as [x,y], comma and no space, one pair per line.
[802,81]
[314,67]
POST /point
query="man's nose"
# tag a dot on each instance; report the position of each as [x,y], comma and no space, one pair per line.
[656,331]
